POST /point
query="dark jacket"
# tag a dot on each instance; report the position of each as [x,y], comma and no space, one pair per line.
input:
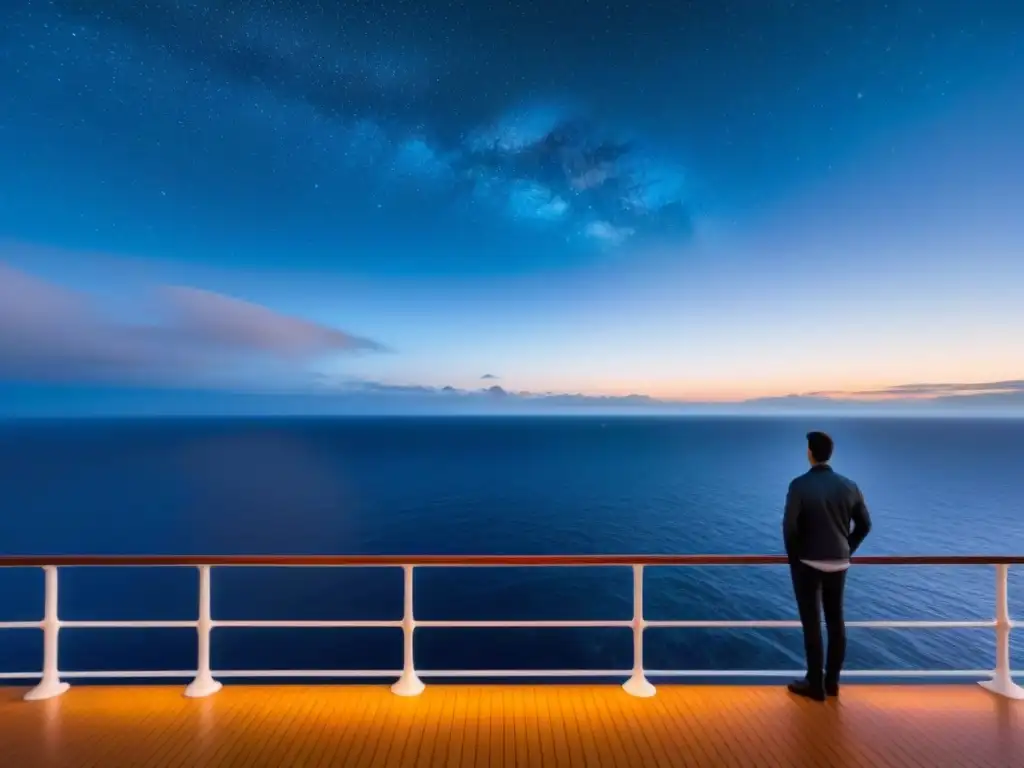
[820,506]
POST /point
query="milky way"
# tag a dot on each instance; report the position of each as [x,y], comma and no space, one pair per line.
[587,122]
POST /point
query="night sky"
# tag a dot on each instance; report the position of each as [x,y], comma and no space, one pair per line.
[688,200]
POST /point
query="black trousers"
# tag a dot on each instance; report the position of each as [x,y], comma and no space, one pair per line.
[816,590]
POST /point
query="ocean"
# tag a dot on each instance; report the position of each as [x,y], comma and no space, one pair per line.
[519,485]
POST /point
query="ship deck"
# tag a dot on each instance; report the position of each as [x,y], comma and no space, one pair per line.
[579,725]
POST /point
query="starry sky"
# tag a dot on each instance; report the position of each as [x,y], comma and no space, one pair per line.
[699,201]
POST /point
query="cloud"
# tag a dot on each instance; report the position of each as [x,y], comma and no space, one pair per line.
[488,376]
[532,200]
[189,336]
[923,392]
[947,389]
[602,230]
[217,320]
[416,398]
[922,396]
[358,396]
[416,157]
[591,177]
[381,396]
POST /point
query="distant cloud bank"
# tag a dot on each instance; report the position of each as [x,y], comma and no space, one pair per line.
[994,395]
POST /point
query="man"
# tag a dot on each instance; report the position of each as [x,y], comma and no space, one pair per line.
[820,506]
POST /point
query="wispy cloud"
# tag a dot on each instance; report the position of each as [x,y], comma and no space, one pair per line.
[531,200]
[187,336]
[609,233]
[1006,395]
[489,376]
[415,156]
[927,391]
[939,390]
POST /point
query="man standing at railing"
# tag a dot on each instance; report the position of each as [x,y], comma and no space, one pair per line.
[820,506]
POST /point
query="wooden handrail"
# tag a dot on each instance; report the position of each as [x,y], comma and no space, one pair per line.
[22,561]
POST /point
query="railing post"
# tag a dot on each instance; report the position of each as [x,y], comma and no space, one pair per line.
[1002,683]
[409,684]
[204,684]
[50,684]
[638,684]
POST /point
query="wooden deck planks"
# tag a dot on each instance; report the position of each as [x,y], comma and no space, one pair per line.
[557,725]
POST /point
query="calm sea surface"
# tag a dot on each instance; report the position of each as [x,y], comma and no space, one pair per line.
[523,486]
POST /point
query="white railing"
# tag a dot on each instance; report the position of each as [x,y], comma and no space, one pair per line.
[204,680]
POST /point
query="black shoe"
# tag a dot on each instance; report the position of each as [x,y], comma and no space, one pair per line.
[808,690]
[831,689]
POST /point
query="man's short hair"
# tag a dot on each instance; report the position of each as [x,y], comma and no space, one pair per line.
[820,445]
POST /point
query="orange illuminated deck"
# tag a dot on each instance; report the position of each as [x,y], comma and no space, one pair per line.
[872,726]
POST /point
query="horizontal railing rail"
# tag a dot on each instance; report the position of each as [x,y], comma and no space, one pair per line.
[205,682]
[478,561]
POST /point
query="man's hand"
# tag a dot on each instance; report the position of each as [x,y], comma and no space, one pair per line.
[861,519]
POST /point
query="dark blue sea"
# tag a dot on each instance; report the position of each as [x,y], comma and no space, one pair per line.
[508,485]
